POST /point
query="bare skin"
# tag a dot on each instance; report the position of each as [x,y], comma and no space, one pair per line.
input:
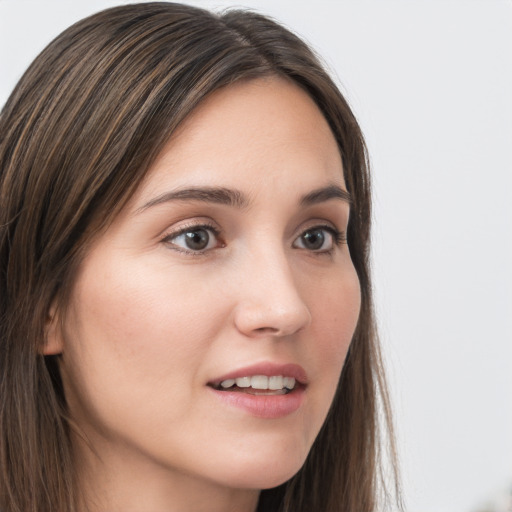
[183,289]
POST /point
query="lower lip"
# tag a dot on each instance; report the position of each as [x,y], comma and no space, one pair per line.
[263,406]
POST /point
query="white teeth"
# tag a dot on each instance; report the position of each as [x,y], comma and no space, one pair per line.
[227,383]
[274,383]
[289,382]
[259,382]
[243,382]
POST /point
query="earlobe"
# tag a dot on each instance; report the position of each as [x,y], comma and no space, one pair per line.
[53,334]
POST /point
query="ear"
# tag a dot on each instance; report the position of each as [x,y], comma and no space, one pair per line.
[53,344]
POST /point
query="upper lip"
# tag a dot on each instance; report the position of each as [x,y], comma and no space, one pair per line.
[268,369]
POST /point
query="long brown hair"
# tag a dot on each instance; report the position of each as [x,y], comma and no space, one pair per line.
[77,136]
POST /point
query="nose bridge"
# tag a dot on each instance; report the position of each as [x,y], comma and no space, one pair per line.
[269,300]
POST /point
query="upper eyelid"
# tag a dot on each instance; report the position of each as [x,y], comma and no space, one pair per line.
[183,228]
[319,223]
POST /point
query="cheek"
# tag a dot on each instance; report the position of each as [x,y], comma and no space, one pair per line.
[129,332]
[136,312]
[336,312]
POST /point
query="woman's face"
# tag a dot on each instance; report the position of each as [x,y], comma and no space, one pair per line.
[228,268]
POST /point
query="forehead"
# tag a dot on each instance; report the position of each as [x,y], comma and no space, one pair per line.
[263,129]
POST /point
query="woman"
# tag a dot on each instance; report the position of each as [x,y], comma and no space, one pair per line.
[186,314]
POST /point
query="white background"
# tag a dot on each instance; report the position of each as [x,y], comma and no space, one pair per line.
[431,83]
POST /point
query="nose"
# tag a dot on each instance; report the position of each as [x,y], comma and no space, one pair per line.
[269,302]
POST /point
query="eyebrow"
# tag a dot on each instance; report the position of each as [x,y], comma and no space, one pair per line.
[320,195]
[237,199]
[216,195]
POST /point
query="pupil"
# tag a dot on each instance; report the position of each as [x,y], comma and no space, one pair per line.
[314,239]
[197,240]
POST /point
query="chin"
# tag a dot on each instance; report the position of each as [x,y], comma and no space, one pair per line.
[269,483]
[264,474]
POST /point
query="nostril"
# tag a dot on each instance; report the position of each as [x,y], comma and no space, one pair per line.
[266,330]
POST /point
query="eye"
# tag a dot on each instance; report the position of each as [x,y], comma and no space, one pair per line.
[195,239]
[319,239]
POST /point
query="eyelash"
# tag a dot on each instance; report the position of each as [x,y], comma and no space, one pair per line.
[339,237]
[190,228]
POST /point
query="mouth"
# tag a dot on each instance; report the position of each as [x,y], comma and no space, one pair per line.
[266,390]
[267,378]
[261,385]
